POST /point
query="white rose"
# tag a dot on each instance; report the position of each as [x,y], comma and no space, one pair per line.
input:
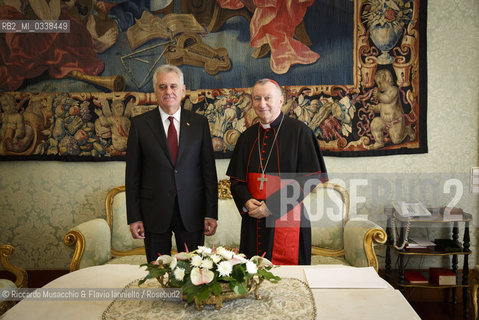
[179,274]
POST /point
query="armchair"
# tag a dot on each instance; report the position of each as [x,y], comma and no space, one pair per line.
[21,277]
[336,238]
[474,286]
[101,241]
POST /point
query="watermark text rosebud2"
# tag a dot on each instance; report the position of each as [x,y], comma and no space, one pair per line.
[154,294]
[367,194]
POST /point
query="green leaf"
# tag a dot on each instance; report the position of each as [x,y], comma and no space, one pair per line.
[189,287]
[148,276]
[190,297]
[238,288]
[215,288]
[193,291]
[266,275]
[203,294]
[227,279]
[185,265]
[154,273]
[238,273]
[175,283]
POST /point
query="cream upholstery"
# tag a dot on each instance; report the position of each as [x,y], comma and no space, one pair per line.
[102,241]
[474,286]
[20,274]
[337,239]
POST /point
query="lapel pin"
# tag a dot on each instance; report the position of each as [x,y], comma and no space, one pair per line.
[188,124]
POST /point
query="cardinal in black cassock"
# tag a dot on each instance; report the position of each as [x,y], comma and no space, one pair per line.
[265,159]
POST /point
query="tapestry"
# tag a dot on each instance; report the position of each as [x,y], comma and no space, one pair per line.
[354,71]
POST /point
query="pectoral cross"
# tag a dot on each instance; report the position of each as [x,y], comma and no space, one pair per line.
[262,179]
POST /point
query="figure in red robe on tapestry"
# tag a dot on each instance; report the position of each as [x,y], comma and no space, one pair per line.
[29,55]
[274,24]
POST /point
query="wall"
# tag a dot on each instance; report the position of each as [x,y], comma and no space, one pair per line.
[40,201]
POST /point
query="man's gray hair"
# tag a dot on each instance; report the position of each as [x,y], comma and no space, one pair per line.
[264,81]
[167,68]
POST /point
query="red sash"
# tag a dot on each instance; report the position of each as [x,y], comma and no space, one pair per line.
[287,227]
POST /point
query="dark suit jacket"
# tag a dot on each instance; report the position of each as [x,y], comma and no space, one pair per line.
[152,179]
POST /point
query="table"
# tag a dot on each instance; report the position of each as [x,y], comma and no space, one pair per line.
[331,304]
[407,225]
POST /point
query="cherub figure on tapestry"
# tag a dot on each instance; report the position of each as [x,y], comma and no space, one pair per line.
[18,130]
[114,123]
[391,117]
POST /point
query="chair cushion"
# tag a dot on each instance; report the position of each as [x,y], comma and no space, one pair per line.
[6,284]
[326,212]
[97,242]
[133,259]
[229,226]
[121,239]
[315,259]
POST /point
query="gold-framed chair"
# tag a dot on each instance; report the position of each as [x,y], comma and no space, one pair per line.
[21,277]
[474,287]
[105,241]
[336,237]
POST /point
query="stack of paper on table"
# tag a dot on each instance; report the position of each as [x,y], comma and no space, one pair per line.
[344,277]
[419,243]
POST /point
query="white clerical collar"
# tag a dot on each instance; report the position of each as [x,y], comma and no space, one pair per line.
[268,125]
[265,126]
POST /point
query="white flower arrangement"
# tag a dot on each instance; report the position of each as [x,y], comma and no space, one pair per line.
[202,272]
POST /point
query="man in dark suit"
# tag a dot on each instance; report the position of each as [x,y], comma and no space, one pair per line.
[171,183]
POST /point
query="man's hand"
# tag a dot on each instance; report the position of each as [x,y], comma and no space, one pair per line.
[252,204]
[260,212]
[210,227]
[137,230]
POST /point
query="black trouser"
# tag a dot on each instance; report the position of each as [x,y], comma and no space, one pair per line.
[160,243]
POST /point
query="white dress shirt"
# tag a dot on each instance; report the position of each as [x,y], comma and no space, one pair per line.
[166,121]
